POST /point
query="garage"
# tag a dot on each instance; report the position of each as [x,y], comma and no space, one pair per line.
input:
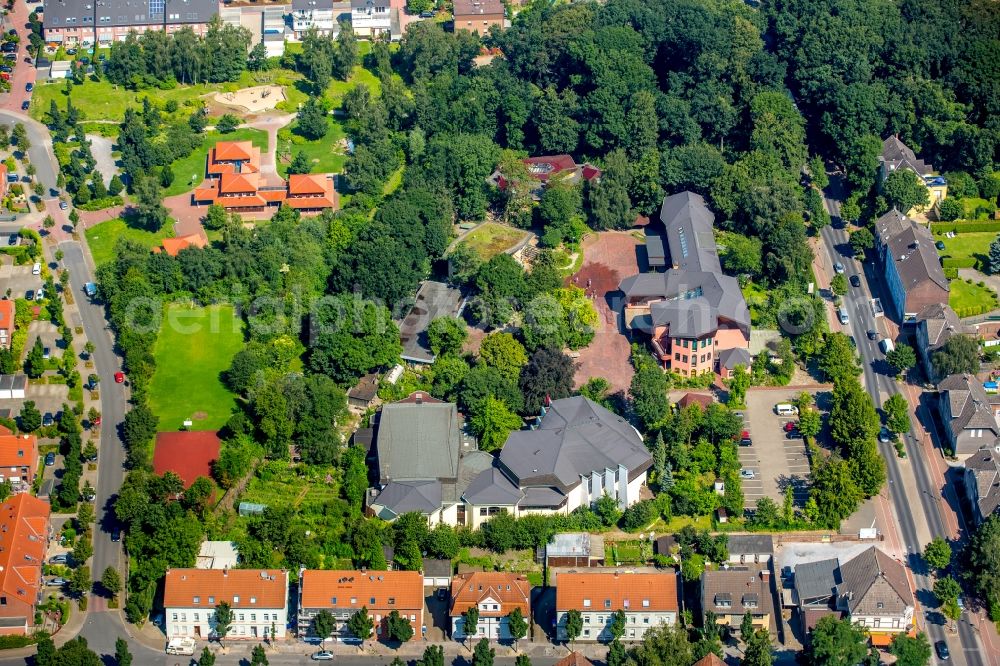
[437,573]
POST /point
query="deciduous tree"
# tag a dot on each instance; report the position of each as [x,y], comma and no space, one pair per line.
[897,413]
[905,190]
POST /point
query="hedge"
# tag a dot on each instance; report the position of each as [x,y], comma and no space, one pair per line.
[959,262]
[951,273]
[16,641]
[972,310]
[959,227]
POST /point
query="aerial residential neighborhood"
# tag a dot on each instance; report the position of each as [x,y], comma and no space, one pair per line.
[482,333]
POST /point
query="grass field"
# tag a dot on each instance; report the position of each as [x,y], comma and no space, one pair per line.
[195,345]
[971,245]
[490,239]
[322,157]
[968,298]
[190,171]
[102,237]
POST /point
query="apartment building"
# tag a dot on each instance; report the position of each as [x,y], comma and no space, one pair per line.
[73,22]
[345,592]
[648,600]
[496,595]
[258,599]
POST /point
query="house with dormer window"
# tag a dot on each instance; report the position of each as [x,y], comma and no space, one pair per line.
[258,599]
[344,593]
[649,600]
[496,595]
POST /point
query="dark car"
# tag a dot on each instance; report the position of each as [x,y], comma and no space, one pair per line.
[426,15]
[8,47]
[29,295]
[48,419]
[50,459]
[116,535]
[939,245]
[855,281]
[25,105]
[6,68]
[29,86]
[70,51]
[746,441]
[943,653]
[872,335]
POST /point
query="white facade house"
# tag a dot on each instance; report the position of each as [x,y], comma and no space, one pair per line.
[309,14]
[647,601]
[495,595]
[258,598]
[371,18]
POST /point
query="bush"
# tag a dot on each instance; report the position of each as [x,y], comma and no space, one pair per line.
[959,227]
[951,273]
[639,515]
[956,262]
[13,641]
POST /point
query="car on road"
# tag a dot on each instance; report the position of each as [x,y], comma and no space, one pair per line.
[939,245]
[943,653]
[50,459]
[872,335]
[747,474]
[322,656]
[56,582]
[884,435]
[48,420]
[29,86]
[25,105]
[63,205]
[119,377]
[838,268]
[855,281]
[61,558]
[116,535]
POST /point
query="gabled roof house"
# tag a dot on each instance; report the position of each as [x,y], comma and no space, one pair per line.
[981,480]
[24,538]
[897,155]
[912,267]
[495,594]
[969,414]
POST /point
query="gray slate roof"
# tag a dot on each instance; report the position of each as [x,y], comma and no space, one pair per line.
[984,465]
[870,579]
[690,300]
[897,154]
[433,300]
[750,544]
[576,437]
[689,222]
[735,592]
[125,12]
[940,323]
[493,488]
[816,582]
[911,247]
[399,497]
[730,358]
[655,252]
[969,404]
[418,440]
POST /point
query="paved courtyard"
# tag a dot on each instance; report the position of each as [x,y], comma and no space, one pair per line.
[609,257]
[776,461]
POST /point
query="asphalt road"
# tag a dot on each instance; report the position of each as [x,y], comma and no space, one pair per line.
[966,649]
[40,152]
[111,452]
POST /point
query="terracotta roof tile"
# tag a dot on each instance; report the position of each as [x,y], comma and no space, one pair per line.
[574,659]
[308,183]
[240,588]
[653,592]
[405,588]
[710,659]
[7,313]
[509,590]
[238,182]
[173,246]
[18,451]
[233,150]
[24,529]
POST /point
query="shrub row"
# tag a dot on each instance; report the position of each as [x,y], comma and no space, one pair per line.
[967,226]
[958,262]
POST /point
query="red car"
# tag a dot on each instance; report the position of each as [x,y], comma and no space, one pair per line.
[119,378]
[789,426]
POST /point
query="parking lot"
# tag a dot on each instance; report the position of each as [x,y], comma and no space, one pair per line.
[19,280]
[777,458]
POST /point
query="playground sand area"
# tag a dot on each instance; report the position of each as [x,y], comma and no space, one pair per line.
[252,100]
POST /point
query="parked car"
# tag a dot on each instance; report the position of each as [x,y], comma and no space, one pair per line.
[70,51]
[62,558]
[855,281]
[789,426]
[48,419]
[426,15]
[46,352]
[119,377]
[6,68]
[29,86]
[63,205]
[747,474]
[943,653]
[50,459]
[884,435]
[56,582]
[872,335]
[838,267]
[25,105]
[746,441]
[116,535]
[322,656]
[29,295]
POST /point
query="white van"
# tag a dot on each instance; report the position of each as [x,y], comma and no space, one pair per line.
[36,269]
[842,316]
[786,409]
[886,345]
[182,646]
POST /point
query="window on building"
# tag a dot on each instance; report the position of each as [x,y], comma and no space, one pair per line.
[645,603]
[607,603]
[197,617]
[586,632]
[253,617]
[197,600]
[879,605]
[175,617]
[371,600]
[211,600]
[392,601]
[241,617]
[354,600]
[677,356]
[645,620]
[586,603]
[684,358]
[253,600]
[586,619]
[236,599]
[685,343]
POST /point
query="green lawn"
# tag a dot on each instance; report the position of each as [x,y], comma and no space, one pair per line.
[190,171]
[321,153]
[195,345]
[491,238]
[968,298]
[102,237]
[968,245]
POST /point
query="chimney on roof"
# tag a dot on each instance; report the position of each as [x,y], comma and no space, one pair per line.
[225,573]
[765,576]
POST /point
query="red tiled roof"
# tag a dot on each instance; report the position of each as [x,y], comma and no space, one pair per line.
[255,588]
[24,529]
[320,588]
[7,313]
[574,659]
[173,246]
[556,163]
[188,454]
[710,659]
[651,592]
[233,150]
[231,183]
[18,451]
[509,590]
[307,183]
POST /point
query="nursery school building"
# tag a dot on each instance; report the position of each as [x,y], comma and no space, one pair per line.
[236,183]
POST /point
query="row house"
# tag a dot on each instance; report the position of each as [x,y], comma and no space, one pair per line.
[258,599]
[18,460]
[24,538]
[648,600]
[912,267]
[495,595]
[72,22]
[343,593]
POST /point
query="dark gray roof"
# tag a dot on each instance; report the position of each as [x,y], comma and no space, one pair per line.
[418,440]
[874,584]
[576,437]
[736,591]
[911,248]
[730,358]
[306,5]
[816,582]
[433,567]
[542,497]
[492,487]
[689,232]
[59,13]
[984,466]
[694,300]
[654,251]
[361,4]
[897,154]
[433,300]
[969,403]
[399,497]
[747,544]
[940,323]
[20,382]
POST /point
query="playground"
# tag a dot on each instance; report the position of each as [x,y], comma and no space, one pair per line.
[251,100]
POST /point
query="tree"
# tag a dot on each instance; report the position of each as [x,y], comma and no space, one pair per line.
[905,190]
[901,357]
[30,418]
[959,355]
[111,580]
[361,624]
[312,122]
[399,628]
[300,164]
[810,422]
[446,335]
[20,138]
[470,622]
[606,508]
[839,359]
[649,395]
[223,621]
[862,240]
[517,626]
[492,421]
[946,589]
[951,209]
[433,656]
[34,364]
[323,624]
[574,625]
[548,375]
[80,582]
[227,123]
[150,213]
[257,656]
[911,651]
[837,642]
[616,654]
[758,649]
[854,423]
[207,658]
[609,202]
[838,284]
[483,654]
[897,413]
[503,352]
[122,655]
[617,627]
[257,60]
[983,569]
[739,382]
[746,627]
